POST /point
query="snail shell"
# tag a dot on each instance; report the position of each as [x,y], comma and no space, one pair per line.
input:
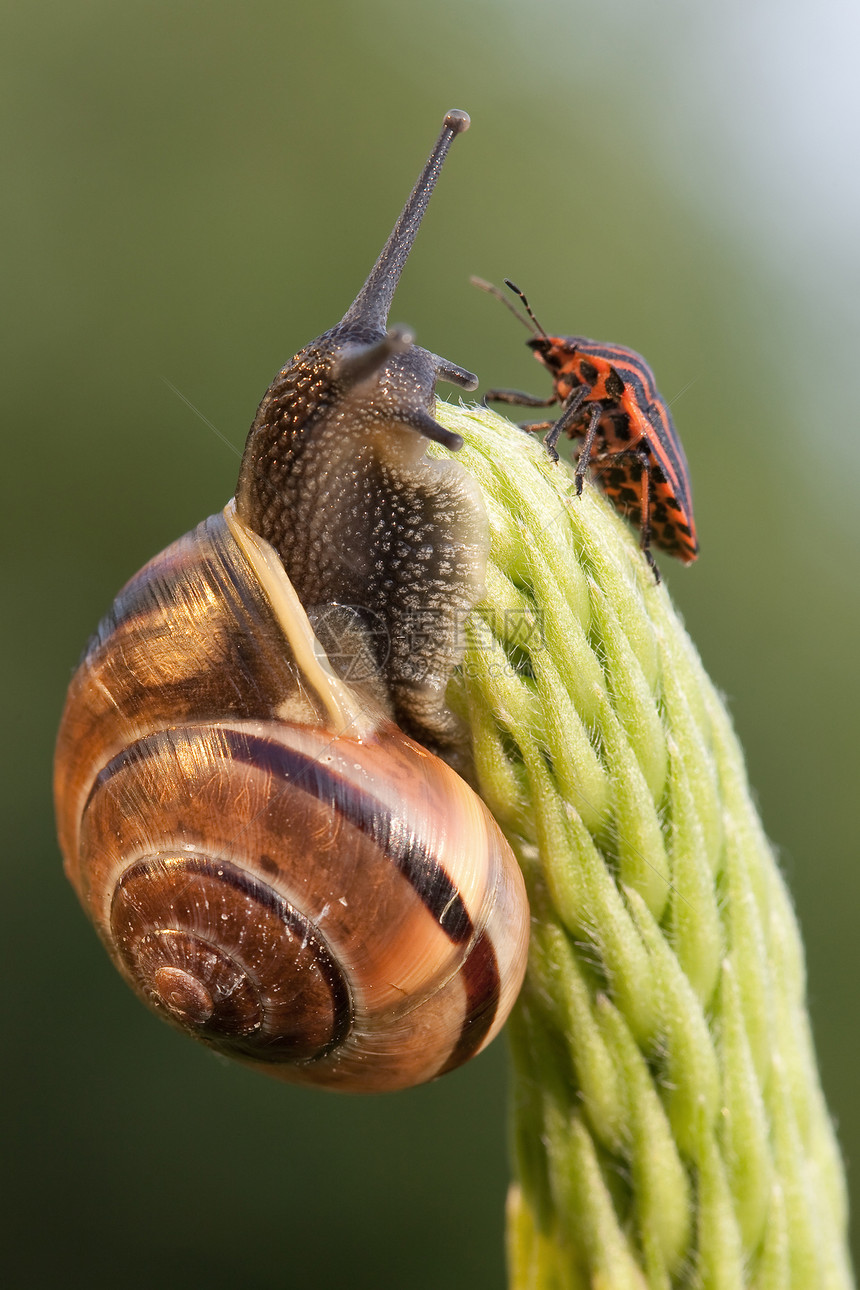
[247,800]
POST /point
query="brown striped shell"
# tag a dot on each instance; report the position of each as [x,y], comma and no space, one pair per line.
[249,801]
[322,898]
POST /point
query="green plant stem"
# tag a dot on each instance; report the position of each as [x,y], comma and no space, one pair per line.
[668,1123]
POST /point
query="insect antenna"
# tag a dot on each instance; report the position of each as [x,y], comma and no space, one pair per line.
[513,287]
[494,291]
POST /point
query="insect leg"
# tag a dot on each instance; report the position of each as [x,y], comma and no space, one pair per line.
[564,422]
[645,532]
[519,398]
[645,512]
[533,427]
[583,461]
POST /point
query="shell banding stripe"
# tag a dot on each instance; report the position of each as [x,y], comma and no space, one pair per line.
[190,636]
[481,981]
[408,852]
[188,777]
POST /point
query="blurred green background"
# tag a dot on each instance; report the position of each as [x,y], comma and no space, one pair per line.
[192,191]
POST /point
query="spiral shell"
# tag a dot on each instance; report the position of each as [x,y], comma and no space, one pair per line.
[336,907]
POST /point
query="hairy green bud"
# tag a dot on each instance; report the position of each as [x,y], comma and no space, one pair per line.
[668,1123]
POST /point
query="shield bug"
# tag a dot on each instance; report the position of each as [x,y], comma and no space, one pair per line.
[609,400]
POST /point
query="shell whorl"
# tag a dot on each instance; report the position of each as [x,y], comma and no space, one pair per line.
[199,938]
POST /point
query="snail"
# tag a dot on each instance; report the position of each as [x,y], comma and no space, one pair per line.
[261,793]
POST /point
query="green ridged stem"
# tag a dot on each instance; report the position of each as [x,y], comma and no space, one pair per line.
[668,1124]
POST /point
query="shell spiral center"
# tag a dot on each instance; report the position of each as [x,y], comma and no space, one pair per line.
[223,954]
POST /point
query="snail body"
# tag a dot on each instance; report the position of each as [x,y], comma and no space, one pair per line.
[254,796]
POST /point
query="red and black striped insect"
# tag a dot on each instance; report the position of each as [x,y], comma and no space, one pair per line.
[609,400]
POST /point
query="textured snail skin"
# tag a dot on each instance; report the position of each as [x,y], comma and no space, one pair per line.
[335,477]
[272,861]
